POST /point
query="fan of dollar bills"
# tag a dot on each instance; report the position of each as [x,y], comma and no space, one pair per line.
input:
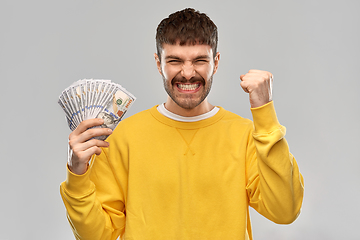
[94,98]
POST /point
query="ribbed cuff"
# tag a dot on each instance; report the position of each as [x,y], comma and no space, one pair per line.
[265,119]
[78,184]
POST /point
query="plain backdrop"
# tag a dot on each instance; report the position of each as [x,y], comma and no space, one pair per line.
[311,47]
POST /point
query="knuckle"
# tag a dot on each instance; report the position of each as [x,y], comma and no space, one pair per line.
[84,122]
[71,143]
[71,135]
[93,142]
[76,148]
[92,132]
[79,126]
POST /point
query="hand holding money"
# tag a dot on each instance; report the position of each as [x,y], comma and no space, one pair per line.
[93,109]
[83,144]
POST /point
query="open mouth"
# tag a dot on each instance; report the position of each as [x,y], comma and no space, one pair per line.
[188,87]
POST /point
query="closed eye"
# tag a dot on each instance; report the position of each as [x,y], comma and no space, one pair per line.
[201,61]
[174,61]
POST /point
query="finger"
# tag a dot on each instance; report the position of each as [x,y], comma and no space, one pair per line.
[84,156]
[257,77]
[91,133]
[74,140]
[91,151]
[269,74]
[244,86]
[83,152]
[250,76]
[89,144]
[86,124]
[253,74]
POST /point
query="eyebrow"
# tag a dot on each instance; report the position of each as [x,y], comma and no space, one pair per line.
[202,57]
[172,57]
[198,57]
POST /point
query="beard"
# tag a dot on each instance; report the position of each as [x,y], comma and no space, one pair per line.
[187,100]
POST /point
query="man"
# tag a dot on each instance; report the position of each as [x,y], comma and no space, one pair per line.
[184,169]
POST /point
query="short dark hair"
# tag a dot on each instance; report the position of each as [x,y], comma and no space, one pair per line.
[188,27]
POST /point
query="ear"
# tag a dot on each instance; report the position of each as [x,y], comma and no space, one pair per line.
[158,63]
[216,62]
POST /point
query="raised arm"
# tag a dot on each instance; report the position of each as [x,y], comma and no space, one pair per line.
[275,186]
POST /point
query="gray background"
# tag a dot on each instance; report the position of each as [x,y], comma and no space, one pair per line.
[311,47]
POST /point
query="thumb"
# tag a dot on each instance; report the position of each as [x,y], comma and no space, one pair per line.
[244,86]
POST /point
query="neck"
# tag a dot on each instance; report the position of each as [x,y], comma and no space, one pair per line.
[202,108]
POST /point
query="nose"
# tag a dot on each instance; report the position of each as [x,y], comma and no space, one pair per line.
[188,71]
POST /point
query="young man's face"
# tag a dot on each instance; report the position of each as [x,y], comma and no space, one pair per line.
[187,72]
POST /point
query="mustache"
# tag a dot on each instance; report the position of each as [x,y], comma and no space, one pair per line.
[180,79]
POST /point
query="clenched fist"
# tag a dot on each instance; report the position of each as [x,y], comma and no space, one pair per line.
[258,84]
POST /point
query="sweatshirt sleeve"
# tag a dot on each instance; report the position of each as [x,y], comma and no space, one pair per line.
[94,212]
[275,186]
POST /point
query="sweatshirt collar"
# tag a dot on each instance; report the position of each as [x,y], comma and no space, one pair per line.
[187,125]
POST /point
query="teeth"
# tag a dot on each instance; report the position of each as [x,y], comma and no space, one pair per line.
[188,87]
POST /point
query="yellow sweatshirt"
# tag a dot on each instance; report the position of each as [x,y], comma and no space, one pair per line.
[170,180]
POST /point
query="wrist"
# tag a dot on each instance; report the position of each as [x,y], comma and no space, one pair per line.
[77,168]
[258,104]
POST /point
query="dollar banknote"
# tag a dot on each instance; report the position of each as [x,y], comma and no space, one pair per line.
[95,98]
